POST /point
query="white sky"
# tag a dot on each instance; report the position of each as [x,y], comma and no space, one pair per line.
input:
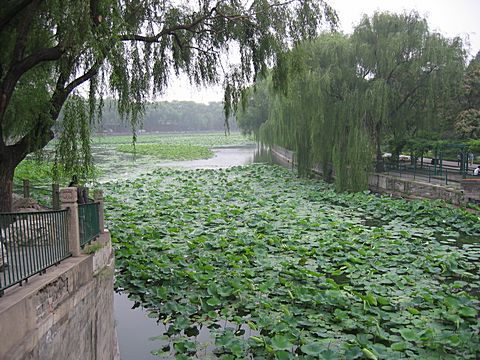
[448,17]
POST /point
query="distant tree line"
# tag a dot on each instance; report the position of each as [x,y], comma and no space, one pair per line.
[165,116]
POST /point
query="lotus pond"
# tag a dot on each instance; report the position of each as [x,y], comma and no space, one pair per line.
[213,139]
[168,151]
[117,158]
[277,267]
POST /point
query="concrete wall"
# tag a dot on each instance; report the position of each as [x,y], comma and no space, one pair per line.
[471,190]
[67,313]
[408,188]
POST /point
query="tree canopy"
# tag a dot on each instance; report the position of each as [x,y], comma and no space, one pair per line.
[467,122]
[348,96]
[129,49]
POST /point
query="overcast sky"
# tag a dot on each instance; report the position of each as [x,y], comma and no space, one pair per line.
[449,17]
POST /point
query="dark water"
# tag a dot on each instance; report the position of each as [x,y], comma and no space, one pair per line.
[134,329]
[140,335]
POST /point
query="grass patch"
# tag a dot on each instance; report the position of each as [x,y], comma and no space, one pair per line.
[38,172]
[92,248]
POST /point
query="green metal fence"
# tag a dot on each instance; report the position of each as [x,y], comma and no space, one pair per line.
[44,195]
[446,175]
[88,222]
[31,243]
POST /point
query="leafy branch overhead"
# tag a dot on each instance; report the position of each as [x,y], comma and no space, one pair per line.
[130,49]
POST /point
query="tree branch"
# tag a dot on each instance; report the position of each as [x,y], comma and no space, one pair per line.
[18,69]
[42,131]
[13,11]
[187,27]
[85,77]
[23,29]
[412,91]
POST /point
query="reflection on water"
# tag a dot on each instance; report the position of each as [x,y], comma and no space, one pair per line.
[140,335]
[134,329]
[224,157]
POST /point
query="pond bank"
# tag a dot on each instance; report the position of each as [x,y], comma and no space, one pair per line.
[405,187]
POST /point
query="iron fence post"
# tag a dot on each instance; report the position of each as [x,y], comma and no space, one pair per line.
[98,197]
[68,199]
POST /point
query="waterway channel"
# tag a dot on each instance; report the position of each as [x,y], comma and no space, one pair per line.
[115,165]
[138,334]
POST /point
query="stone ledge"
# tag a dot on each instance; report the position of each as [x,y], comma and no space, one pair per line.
[104,255]
[23,310]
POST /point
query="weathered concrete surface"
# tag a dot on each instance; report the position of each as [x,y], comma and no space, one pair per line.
[64,314]
[409,188]
[471,189]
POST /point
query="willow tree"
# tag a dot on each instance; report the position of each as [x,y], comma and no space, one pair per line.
[255,108]
[348,95]
[411,74]
[467,122]
[319,114]
[130,49]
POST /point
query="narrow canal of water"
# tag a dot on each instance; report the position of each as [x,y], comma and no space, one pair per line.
[116,165]
[135,329]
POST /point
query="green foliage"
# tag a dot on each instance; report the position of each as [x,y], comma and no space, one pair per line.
[129,50]
[474,145]
[307,272]
[254,110]
[73,155]
[320,117]
[168,116]
[347,97]
[168,151]
[175,37]
[39,172]
[92,248]
[467,123]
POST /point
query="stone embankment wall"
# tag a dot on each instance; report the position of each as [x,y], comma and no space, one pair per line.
[408,188]
[67,313]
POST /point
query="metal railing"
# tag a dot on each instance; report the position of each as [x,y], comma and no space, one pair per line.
[88,222]
[430,173]
[30,243]
[44,195]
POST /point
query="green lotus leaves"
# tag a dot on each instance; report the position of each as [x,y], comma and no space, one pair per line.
[280,342]
[279,267]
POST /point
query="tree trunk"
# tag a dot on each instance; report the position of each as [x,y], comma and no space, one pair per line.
[379,165]
[10,157]
[7,169]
